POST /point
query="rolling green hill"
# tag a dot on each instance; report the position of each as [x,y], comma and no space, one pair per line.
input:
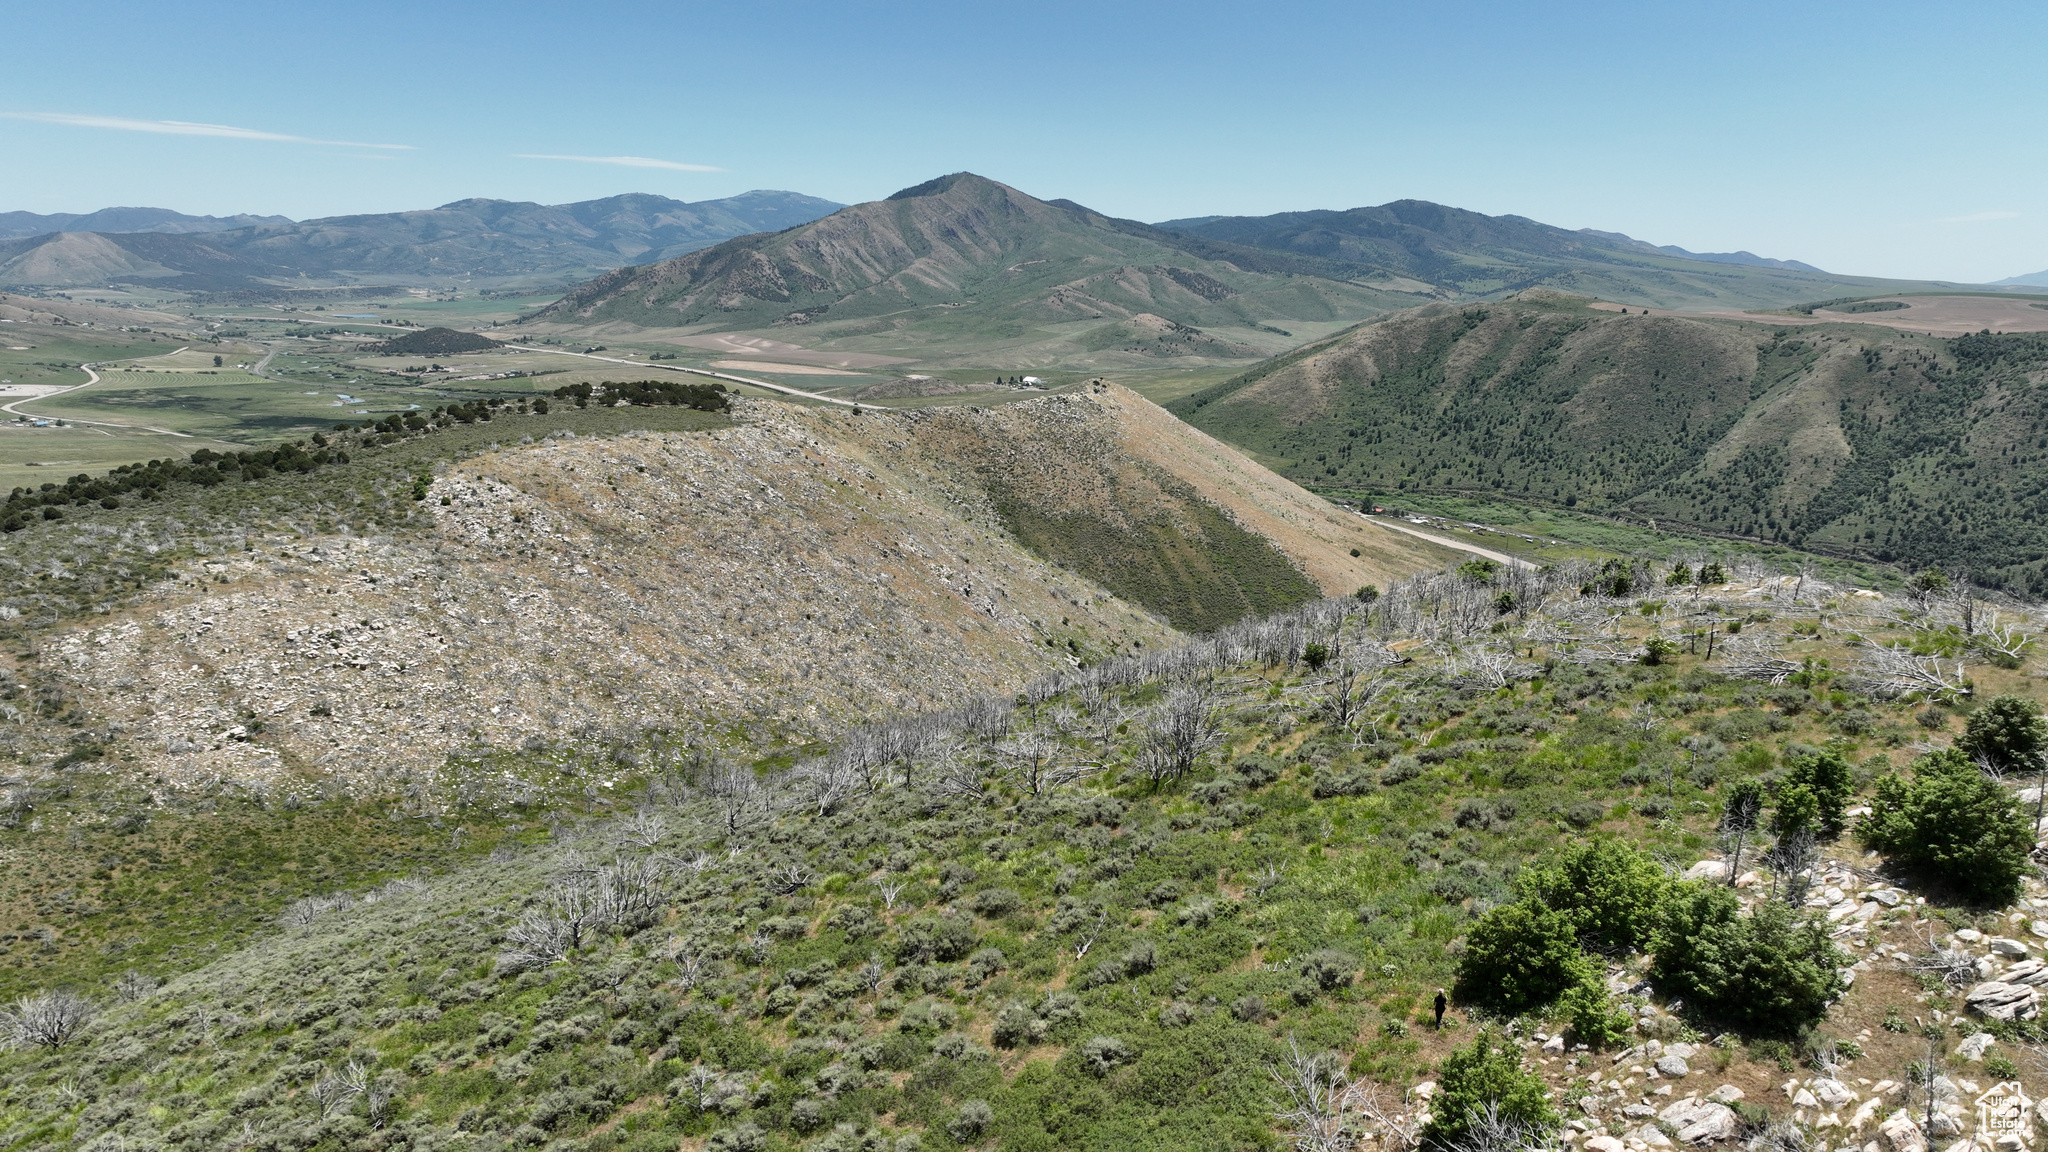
[1469,254]
[1843,438]
[966,265]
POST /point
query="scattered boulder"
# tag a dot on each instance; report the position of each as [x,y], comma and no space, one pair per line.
[1653,1136]
[1889,897]
[2009,948]
[1832,1093]
[2039,928]
[1901,1134]
[1711,1124]
[1805,1099]
[1708,870]
[1725,1094]
[2026,972]
[1554,1045]
[1969,935]
[1865,1113]
[1973,1047]
[1605,1144]
[1672,1066]
[1997,1000]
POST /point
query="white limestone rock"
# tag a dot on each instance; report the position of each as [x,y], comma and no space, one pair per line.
[1997,1000]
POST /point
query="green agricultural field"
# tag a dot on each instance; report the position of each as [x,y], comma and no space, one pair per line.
[229,405]
[41,356]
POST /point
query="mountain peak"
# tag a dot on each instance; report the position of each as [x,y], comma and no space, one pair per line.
[940,185]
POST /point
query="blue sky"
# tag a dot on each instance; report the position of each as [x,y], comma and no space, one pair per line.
[1878,138]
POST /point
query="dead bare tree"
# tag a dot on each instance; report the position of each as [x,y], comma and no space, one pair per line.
[1094,932]
[826,784]
[1747,658]
[1181,730]
[334,1090]
[582,902]
[1888,672]
[47,1020]
[739,799]
[1999,640]
[959,775]
[1792,859]
[644,829]
[1952,966]
[1030,758]
[986,718]
[890,888]
[1316,1092]
[1348,692]
[1487,1130]
[1391,1114]
[697,1085]
[790,879]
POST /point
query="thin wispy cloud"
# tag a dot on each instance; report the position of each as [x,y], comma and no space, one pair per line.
[1978,218]
[186,128]
[622,161]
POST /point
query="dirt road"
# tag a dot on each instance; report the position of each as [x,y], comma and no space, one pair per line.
[783,388]
[1448,542]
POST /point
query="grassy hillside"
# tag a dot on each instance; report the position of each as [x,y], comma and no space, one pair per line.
[1469,254]
[1031,924]
[966,267]
[1842,438]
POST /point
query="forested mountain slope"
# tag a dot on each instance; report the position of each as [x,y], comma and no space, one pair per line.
[1847,438]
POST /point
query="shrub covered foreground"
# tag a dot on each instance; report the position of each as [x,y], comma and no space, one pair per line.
[1096,916]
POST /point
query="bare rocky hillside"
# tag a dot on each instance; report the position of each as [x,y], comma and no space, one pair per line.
[806,568]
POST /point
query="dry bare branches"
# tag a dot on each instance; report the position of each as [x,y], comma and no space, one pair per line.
[48,1020]
[1888,672]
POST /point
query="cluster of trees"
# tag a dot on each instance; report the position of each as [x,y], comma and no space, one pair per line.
[711,397]
[1772,968]
[400,423]
[145,481]
[1769,970]
[1952,823]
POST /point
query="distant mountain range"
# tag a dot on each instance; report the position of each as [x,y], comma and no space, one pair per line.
[1470,254]
[2030,280]
[1004,267]
[493,240]
[963,267]
[14,224]
[1749,258]
[963,263]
